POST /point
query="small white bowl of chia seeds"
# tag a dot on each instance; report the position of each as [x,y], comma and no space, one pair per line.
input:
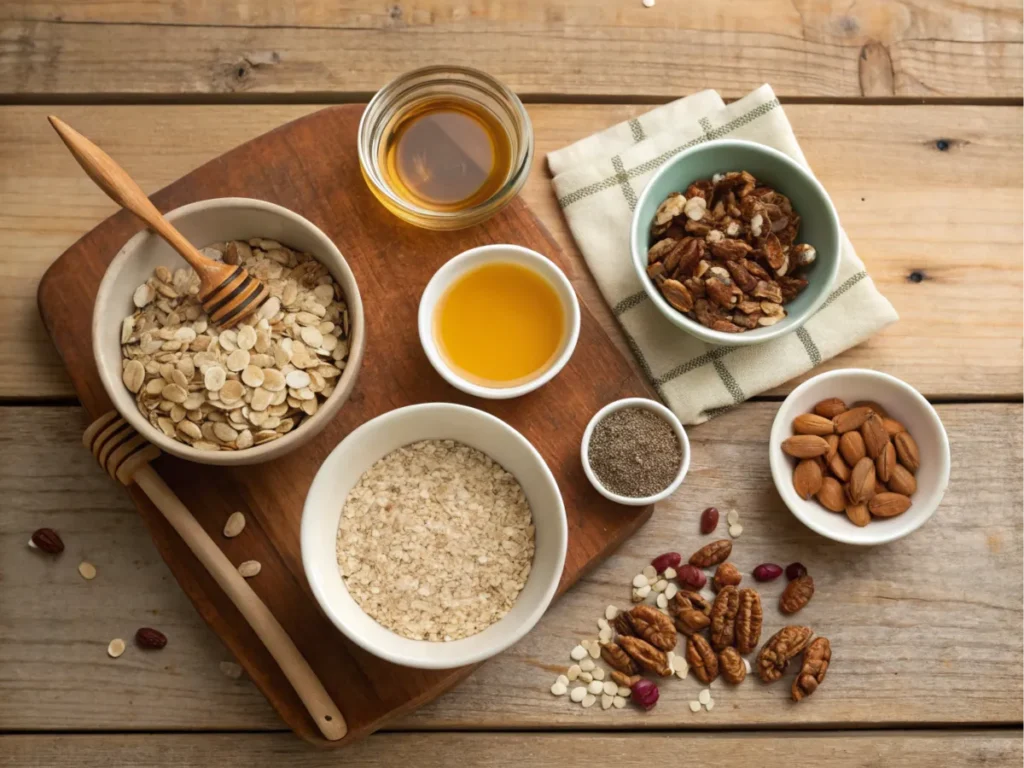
[635,452]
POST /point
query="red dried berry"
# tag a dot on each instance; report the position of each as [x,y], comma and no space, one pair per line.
[147,637]
[708,520]
[645,693]
[691,577]
[795,571]
[667,560]
[767,572]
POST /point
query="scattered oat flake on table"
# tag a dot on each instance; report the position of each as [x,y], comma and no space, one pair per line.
[250,568]
[115,648]
[232,670]
[87,570]
[234,525]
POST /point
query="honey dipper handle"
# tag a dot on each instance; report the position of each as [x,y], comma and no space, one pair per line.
[305,682]
[122,189]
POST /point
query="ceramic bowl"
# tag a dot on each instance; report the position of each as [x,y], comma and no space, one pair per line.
[903,403]
[205,222]
[476,257]
[663,412]
[356,454]
[819,226]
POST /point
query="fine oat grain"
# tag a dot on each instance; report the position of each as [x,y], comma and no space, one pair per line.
[436,541]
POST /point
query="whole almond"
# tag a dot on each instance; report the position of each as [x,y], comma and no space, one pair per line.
[851,447]
[839,469]
[813,424]
[805,446]
[873,406]
[892,426]
[902,481]
[831,495]
[830,407]
[907,452]
[851,419]
[888,504]
[833,448]
[807,478]
[858,514]
[47,540]
[875,436]
[862,480]
[147,637]
[885,462]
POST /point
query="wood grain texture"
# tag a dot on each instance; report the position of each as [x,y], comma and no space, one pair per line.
[925,630]
[994,749]
[818,48]
[392,262]
[951,217]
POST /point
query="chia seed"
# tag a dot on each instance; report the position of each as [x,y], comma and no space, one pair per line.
[634,452]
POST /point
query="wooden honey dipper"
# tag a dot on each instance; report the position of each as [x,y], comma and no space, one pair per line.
[228,293]
[125,455]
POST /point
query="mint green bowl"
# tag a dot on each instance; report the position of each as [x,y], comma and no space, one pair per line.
[819,226]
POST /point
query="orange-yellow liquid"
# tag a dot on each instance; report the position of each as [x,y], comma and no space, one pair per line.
[500,325]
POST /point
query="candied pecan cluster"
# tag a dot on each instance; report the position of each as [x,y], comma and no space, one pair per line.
[724,252]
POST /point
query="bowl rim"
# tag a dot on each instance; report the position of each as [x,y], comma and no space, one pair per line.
[457,266]
[677,427]
[781,470]
[790,323]
[256,454]
[308,536]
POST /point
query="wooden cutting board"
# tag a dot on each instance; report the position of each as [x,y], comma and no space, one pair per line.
[311,167]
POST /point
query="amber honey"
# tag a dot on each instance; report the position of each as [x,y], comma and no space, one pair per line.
[446,154]
[500,325]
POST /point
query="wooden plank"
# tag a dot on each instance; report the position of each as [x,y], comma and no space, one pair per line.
[924,630]
[237,50]
[951,217]
[995,749]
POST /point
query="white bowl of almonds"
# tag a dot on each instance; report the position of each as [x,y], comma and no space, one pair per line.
[859,456]
[434,536]
[233,396]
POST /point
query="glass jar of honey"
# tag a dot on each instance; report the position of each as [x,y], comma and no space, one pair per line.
[445,147]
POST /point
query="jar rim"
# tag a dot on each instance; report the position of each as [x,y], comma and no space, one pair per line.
[410,82]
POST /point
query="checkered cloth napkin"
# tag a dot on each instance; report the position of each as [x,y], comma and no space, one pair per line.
[597,181]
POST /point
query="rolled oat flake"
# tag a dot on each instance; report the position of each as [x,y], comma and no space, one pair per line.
[634,452]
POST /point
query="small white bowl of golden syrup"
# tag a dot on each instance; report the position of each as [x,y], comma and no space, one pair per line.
[445,147]
[499,321]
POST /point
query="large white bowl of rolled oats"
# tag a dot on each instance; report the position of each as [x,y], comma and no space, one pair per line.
[229,396]
[434,536]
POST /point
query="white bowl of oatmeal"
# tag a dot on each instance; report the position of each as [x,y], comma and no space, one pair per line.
[294,363]
[434,536]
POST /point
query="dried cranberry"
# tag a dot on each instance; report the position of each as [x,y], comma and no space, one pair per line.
[667,560]
[691,577]
[708,520]
[645,693]
[767,572]
[795,571]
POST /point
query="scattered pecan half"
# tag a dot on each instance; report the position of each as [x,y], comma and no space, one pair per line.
[653,626]
[723,618]
[618,659]
[774,655]
[796,594]
[731,665]
[623,679]
[748,621]
[727,575]
[646,655]
[702,660]
[622,625]
[712,554]
[817,656]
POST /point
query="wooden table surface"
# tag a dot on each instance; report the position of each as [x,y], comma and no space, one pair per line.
[909,113]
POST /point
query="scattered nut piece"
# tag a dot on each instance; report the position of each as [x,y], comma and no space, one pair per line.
[234,525]
[115,648]
[250,568]
[87,570]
